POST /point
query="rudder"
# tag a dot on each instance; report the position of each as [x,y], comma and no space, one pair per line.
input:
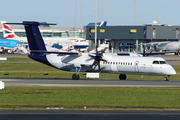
[34,37]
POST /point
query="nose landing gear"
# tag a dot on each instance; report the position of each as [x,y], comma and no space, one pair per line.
[166,78]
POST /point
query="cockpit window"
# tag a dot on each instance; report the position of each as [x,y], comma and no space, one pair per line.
[82,40]
[159,62]
[155,62]
[162,62]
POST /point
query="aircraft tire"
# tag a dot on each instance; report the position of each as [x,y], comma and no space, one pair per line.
[122,76]
[75,77]
[166,79]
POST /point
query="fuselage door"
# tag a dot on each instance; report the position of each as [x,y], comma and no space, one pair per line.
[136,66]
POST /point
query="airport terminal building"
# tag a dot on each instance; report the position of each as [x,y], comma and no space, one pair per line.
[125,38]
[49,31]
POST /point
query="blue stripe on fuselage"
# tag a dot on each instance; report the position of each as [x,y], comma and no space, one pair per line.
[80,46]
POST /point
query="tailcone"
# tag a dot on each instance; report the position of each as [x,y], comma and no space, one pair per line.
[39,57]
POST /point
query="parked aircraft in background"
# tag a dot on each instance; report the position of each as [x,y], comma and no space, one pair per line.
[163,46]
[11,46]
[93,62]
[66,43]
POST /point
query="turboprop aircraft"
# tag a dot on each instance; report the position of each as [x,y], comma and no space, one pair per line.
[93,62]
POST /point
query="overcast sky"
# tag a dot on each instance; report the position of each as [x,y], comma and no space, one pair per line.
[115,12]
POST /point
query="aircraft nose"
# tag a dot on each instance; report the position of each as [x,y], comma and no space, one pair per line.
[172,71]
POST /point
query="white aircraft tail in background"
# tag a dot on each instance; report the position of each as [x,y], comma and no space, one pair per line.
[8,33]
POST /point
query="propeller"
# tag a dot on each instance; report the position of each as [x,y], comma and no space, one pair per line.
[97,58]
[144,52]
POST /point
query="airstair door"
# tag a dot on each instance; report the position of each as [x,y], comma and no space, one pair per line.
[136,66]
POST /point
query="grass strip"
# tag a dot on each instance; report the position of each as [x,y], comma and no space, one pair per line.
[19,59]
[105,98]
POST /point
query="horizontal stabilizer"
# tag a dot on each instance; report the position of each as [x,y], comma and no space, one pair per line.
[56,52]
[32,23]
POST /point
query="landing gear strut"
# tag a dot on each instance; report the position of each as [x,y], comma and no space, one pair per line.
[166,78]
[122,76]
[76,76]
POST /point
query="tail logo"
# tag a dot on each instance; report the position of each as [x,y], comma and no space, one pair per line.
[6,27]
[7,31]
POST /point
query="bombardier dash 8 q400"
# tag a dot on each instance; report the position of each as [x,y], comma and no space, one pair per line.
[93,62]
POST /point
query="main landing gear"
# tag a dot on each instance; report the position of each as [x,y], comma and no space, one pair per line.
[166,78]
[122,76]
[76,76]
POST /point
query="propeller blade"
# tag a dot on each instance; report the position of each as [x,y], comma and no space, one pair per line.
[92,64]
[96,49]
[99,66]
[92,56]
[143,50]
[103,51]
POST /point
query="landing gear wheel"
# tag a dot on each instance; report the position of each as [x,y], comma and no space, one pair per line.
[75,77]
[166,78]
[176,53]
[122,76]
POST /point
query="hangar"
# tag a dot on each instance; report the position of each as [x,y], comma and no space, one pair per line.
[125,38]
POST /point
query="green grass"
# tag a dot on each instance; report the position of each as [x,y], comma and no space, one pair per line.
[19,59]
[92,97]
[37,70]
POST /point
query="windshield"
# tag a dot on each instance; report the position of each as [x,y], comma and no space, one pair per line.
[159,62]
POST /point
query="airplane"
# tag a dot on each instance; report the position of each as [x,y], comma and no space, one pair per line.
[8,44]
[66,43]
[93,62]
[163,46]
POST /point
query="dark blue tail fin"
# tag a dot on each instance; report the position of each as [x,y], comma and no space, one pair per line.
[35,40]
[34,37]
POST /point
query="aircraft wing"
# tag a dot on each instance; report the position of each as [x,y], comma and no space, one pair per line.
[154,43]
[146,53]
[156,53]
[57,52]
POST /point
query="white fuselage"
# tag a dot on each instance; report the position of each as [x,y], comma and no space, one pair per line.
[114,64]
[172,46]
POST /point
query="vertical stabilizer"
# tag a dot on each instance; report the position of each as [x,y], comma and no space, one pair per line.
[103,23]
[34,37]
[8,33]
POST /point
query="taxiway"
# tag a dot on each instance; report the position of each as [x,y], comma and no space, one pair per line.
[88,82]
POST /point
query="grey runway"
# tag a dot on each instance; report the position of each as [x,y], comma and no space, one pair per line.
[88,115]
[88,82]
